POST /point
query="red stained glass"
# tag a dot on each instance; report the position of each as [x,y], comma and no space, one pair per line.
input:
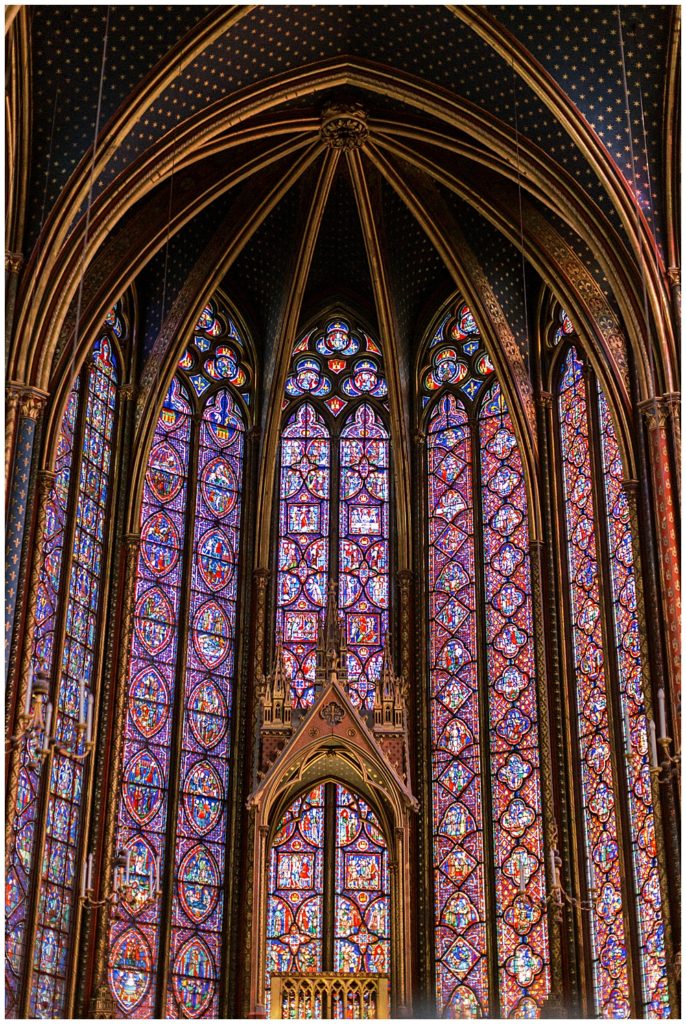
[363,551]
[338,370]
[634,725]
[461,967]
[296,887]
[197,912]
[609,951]
[20,859]
[329,827]
[143,808]
[523,953]
[477,501]
[362,926]
[204,565]
[303,564]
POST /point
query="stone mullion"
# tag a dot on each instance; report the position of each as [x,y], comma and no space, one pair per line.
[106,735]
[562,828]
[102,1003]
[46,479]
[240,750]
[666,518]
[555,997]
[178,715]
[419,702]
[252,929]
[664,807]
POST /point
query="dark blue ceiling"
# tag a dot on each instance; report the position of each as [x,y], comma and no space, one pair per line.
[578,45]
[67,53]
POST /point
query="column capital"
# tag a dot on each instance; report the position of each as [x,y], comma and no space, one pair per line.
[14,261]
[655,411]
[31,403]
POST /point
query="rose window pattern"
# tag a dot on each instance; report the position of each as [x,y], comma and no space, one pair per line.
[601,678]
[181,678]
[328,887]
[489,858]
[68,609]
[334,506]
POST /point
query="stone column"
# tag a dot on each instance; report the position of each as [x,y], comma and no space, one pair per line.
[656,413]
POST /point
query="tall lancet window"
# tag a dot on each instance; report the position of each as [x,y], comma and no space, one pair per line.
[334,505]
[611,734]
[173,812]
[489,871]
[42,874]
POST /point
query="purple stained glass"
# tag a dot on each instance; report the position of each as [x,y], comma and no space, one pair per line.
[337,860]
[362,926]
[609,949]
[363,548]
[19,860]
[340,373]
[197,912]
[522,929]
[173,563]
[474,468]
[89,468]
[59,870]
[303,558]
[296,887]
[634,725]
[142,820]
[459,880]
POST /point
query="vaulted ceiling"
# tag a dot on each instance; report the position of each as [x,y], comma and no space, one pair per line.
[507,146]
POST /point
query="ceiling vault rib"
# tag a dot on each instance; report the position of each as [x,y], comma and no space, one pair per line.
[228,242]
[594,151]
[289,321]
[388,331]
[540,256]
[440,226]
[175,61]
[138,255]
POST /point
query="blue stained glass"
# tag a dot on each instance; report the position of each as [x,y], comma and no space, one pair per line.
[214,438]
[97,391]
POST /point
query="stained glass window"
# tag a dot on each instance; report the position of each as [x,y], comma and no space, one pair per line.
[335,416]
[328,876]
[612,889]
[489,892]
[184,643]
[65,646]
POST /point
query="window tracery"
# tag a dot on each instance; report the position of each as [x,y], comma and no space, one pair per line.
[487,819]
[613,759]
[173,809]
[335,454]
[69,602]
